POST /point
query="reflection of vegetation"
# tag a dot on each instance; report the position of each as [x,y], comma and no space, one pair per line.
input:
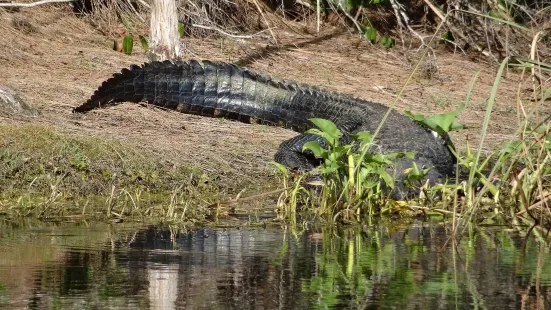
[355,270]
[56,261]
[413,266]
[527,258]
[4,298]
[351,269]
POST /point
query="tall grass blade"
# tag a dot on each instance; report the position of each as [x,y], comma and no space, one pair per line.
[487,116]
[470,90]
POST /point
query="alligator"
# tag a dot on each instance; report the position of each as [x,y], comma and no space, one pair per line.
[218,89]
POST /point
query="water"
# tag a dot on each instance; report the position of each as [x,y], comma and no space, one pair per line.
[101,266]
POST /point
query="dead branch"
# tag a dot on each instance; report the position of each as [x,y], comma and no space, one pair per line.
[401,15]
[31,4]
[229,34]
[458,31]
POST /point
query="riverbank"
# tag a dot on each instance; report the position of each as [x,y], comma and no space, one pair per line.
[132,154]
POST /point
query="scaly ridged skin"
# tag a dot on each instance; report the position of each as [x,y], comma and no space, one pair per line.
[217,89]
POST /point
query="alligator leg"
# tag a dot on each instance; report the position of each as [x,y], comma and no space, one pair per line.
[290,153]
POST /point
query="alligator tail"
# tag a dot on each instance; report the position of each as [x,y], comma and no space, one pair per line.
[213,89]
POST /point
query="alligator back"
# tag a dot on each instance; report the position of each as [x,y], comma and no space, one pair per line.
[218,89]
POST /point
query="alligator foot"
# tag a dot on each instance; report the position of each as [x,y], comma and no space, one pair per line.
[291,155]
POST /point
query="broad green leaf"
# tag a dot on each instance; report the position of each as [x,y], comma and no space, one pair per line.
[546,95]
[511,147]
[415,117]
[316,132]
[348,5]
[364,136]
[386,41]
[322,134]
[329,168]
[143,41]
[127,44]
[364,172]
[328,127]
[441,123]
[315,147]
[414,173]
[281,168]
[370,34]
[444,121]
[409,155]
[181,29]
[386,177]
[337,153]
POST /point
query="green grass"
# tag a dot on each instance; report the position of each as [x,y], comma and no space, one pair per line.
[45,172]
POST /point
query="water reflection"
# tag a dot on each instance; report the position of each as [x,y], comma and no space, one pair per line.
[160,267]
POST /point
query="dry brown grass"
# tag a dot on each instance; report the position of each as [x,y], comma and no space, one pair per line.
[58,61]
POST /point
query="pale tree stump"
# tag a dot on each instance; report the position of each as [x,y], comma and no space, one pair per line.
[165,39]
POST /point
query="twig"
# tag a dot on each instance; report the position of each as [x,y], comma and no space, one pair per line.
[303,3]
[318,15]
[441,15]
[31,4]
[434,209]
[353,20]
[265,20]
[455,45]
[229,34]
[144,4]
[542,202]
[239,199]
[396,7]
[401,15]
[435,9]
[134,10]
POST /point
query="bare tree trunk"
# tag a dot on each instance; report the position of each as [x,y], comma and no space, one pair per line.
[165,39]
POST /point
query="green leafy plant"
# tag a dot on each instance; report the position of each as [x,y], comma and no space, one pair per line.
[386,41]
[440,123]
[355,181]
[369,32]
[447,36]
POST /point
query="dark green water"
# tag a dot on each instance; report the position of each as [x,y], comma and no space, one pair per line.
[100,266]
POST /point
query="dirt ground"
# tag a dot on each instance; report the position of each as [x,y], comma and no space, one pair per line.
[55,61]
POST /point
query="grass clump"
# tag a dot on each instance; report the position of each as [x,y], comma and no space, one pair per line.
[44,172]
